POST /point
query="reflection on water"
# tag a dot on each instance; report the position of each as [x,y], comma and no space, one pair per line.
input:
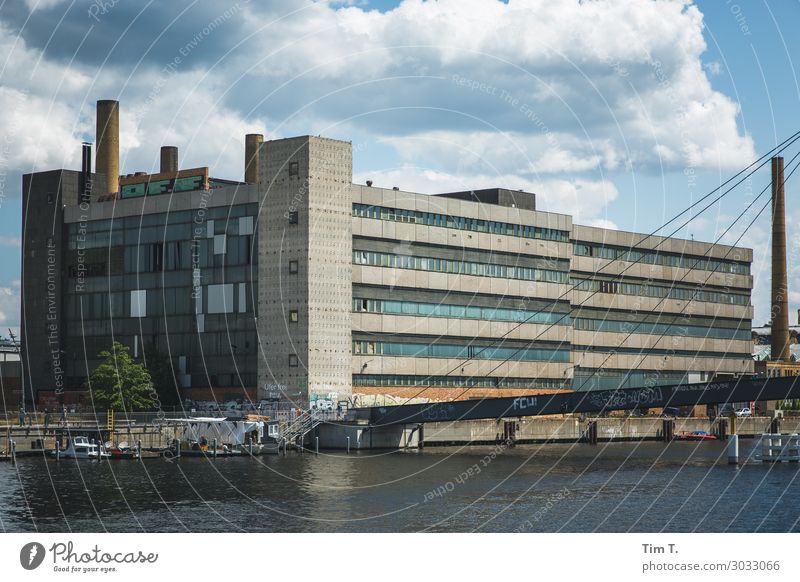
[617,487]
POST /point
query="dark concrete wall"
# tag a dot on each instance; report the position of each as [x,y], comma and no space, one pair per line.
[43,197]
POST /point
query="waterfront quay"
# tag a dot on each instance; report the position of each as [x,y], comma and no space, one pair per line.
[157,436]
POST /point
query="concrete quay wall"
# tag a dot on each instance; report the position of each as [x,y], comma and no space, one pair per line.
[364,437]
[527,430]
[540,430]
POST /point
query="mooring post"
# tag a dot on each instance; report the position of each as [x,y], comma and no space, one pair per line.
[316,445]
[13,447]
[58,449]
[668,429]
[733,450]
[139,449]
[348,444]
[591,432]
[177,448]
[214,444]
[251,447]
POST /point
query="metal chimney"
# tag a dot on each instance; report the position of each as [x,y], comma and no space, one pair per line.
[780,288]
[169,159]
[252,144]
[107,160]
[86,173]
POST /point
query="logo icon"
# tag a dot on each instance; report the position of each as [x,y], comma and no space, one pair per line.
[31,555]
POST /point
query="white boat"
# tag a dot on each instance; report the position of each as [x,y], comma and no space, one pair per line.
[79,447]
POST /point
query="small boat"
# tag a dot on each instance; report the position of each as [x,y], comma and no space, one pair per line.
[698,435]
[79,447]
[121,451]
[266,448]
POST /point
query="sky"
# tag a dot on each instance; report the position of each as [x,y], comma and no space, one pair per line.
[619,112]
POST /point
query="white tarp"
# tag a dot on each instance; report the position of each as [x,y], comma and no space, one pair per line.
[227,432]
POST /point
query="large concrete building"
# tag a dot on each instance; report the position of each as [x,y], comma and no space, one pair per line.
[303,285]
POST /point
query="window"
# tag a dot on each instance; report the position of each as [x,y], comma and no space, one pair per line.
[220,298]
[292,360]
[242,297]
[248,246]
[219,244]
[245,225]
[157,260]
[294,317]
[294,168]
[608,286]
[139,303]
[294,217]
[293,267]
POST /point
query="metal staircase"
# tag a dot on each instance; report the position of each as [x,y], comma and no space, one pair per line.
[293,432]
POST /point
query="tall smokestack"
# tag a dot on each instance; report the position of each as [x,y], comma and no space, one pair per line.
[107,160]
[252,144]
[780,287]
[169,159]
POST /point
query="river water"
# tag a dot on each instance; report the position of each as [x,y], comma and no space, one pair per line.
[573,488]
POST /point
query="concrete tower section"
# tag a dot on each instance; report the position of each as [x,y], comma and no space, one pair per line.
[780,287]
[305,268]
[107,161]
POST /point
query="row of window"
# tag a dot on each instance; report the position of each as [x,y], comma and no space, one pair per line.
[198,217]
[458,222]
[457,381]
[416,350]
[181,226]
[611,379]
[659,258]
[181,255]
[376,259]
[660,328]
[660,352]
[169,301]
[661,291]
[458,311]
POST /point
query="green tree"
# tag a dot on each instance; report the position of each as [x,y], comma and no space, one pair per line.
[162,374]
[119,383]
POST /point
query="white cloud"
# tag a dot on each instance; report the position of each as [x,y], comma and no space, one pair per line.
[575,87]
[627,73]
[512,152]
[10,240]
[43,4]
[9,306]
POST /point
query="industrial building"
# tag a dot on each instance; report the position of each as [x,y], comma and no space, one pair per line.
[297,283]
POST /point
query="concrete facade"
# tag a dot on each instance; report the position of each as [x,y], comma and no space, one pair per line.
[305,268]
